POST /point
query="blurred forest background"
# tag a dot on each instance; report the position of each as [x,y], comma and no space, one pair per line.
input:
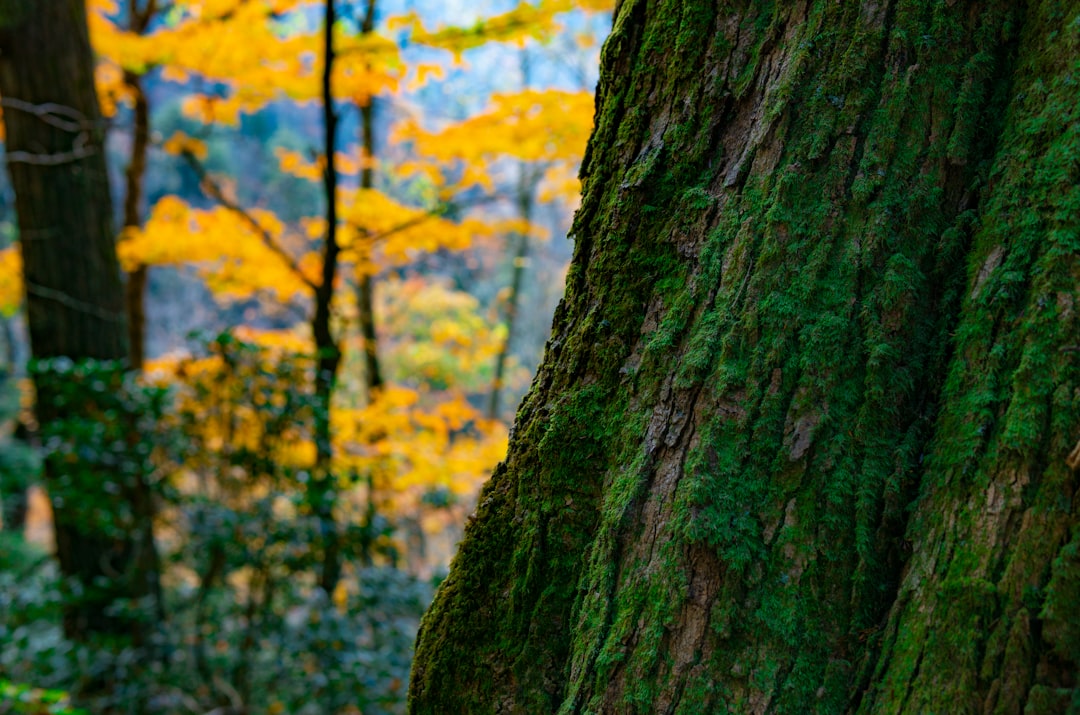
[276,479]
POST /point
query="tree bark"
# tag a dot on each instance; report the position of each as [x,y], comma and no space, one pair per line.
[75,300]
[801,438]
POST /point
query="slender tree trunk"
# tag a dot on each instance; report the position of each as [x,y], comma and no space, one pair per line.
[135,301]
[135,296]
[15,494]
[525,190]
[135,289]
[365,283]
[365,290]
[803,439]
[373,379]
[328,354]
[75,300]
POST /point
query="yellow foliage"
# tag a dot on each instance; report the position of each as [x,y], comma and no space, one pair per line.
[527,21]
[296,164]
[534,125]
[234,259]
[410,448]
[560,181]
[340,597]
[111,88]
[437,336]
[380,231]
[246,50]
[11,280]
[279,342]
[180,143]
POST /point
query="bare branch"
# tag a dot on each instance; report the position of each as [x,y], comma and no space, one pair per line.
[215,192]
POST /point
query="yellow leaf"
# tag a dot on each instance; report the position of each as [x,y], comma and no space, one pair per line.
[340,597]
[180,143]
[11,281]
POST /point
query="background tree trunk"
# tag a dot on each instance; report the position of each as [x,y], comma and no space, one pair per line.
[137,279]
[801,437]
[365,284]
[327,351]
[75,300]
[134,178]
[526,188]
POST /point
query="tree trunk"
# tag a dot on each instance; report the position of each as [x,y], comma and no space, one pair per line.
[135,288]
[365,284]
[328,354]
[803,436]
[526,187]
[134,177]
[365,288]
[75,300]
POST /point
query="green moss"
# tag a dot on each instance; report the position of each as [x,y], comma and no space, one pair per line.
[807,303]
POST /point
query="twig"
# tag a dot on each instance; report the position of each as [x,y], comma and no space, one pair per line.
[437,211]
[216,193]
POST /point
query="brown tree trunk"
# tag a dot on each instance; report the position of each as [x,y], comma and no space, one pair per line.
[135,302]
[803,439]
[135,289]
[525,189]
[75,302]
[365,302]
[328,354]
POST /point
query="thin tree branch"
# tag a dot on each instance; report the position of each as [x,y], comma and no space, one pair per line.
[215,192]
[434,212]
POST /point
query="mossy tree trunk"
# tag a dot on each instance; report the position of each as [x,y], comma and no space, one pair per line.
[801,438]
[102,515]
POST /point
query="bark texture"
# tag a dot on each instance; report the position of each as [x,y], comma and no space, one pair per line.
[57,166]
[75,299]
[801,438]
